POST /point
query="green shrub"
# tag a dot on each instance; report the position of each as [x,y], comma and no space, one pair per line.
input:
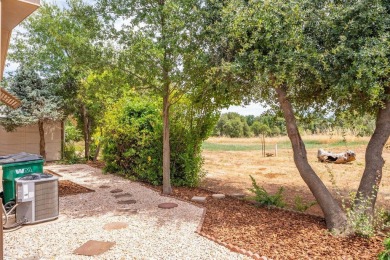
[359,218]
[133,141]
[385,255]
[301,206]
[70,154]
[266,199]
[72,134]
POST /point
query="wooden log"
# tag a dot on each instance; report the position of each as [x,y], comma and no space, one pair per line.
[326,156]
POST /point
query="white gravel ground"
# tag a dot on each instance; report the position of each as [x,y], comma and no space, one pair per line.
[153,233]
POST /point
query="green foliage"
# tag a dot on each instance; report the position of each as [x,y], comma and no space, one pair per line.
[361,221]
[234,125]
[71,155]
[385,255]
[302,206]
[39,101]
[133,141]
[72,136]
[72,133]
[266,199]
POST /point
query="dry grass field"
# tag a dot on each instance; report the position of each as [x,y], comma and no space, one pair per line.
[230,161]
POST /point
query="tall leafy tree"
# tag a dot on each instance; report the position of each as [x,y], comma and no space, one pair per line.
[306,56]
[40,104]
[160,51]
[63,44]
[353,41]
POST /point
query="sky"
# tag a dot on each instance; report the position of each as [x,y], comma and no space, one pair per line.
[251,109]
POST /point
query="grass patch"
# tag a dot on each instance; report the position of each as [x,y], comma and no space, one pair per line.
[310,144]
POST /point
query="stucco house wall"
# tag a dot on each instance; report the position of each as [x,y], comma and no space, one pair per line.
[26,139]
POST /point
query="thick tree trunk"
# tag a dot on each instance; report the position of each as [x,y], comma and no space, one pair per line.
[335,217]
[167,189]
[372,175]
[97,152]
[42,150]
[85,131]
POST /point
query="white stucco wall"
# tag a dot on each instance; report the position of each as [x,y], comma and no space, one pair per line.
[26,139]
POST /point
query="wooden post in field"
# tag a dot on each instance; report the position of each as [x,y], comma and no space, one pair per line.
[263,145]
[276,150]
[1,232]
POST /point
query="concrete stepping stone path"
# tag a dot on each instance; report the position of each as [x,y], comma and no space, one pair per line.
[117,196]
[167,205]
[93,248]
[198,199]
[115,226]
[116,191]
[127,202]
[238,195]
[127,210]
[218,196]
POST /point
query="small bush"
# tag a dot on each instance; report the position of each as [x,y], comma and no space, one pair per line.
[72,134]
[301,206]
[266,199]
[133,140]
[70,154]
[385,255]
[363,223]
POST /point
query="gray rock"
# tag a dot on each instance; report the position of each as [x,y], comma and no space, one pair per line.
[238,195]
[198,199]
[218,196]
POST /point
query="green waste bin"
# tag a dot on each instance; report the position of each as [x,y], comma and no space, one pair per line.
[15,166]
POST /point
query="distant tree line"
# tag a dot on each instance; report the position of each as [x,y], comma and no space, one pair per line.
[235,125]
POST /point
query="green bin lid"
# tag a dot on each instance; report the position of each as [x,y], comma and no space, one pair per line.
[19,157]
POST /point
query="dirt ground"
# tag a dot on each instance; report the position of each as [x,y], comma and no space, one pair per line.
[228,172]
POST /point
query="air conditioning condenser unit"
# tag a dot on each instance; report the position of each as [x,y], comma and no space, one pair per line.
[37,198]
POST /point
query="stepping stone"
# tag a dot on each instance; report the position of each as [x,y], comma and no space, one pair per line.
[128,210]
[127,202]
[104,187]
[167,205]
[198,199]
[115,226]
[93,247]
[117,196]
[218,196]
[238,195]
[116,191]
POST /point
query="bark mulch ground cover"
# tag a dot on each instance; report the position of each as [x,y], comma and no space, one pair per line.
[275,233]
[66,188]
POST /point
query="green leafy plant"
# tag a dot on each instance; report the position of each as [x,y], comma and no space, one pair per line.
[385,254]
[361,222]
[70,154]
[72,134]
[357,211]
[266,199]
[133,143]
[301,206]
